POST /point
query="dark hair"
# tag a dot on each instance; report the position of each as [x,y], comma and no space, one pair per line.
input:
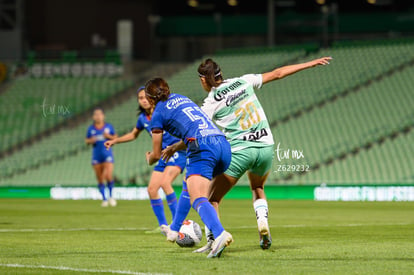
[157,89]
[140,109]
[211,71]
[98,108]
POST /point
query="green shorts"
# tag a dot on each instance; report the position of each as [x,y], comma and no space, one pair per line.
[257,160]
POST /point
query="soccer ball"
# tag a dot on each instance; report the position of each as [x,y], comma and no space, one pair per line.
[190,234]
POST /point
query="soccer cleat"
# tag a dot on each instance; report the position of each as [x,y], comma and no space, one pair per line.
[112,202]
[164,229]
[265,237]
[206,248]
[104,203]
[172,235]
[221,242]
[160,229]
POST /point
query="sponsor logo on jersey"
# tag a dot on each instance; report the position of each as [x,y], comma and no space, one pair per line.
[173,103]
[255,135]
[222,93]
[236,98]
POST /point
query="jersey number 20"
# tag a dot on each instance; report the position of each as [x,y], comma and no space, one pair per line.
[248,116]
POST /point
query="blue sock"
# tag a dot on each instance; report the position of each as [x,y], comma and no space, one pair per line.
[101,188]
[172,203]
[208,215]
[183,207]
[158,208]
[110,187]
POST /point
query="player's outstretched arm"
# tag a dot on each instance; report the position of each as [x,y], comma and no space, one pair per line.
[284,71]
[125,138]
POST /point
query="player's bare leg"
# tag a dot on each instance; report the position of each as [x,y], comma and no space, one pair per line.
[261,208]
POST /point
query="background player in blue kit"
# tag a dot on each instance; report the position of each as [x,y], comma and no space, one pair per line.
[102,159]
[208,155]
[164,172]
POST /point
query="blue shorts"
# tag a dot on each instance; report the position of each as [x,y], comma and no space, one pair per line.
[102,157]
[208,156]
[178,159]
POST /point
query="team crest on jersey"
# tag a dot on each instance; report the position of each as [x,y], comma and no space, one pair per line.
[146,125]
[93,132]
[107,130]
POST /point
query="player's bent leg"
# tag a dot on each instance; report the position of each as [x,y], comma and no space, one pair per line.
[219,187]
[198,187]
[261,208]
[183,208]
[156,202]
[169,175]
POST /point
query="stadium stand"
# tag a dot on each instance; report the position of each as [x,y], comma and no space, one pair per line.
[30,106]
[353,66]
[351,120]
[366,116]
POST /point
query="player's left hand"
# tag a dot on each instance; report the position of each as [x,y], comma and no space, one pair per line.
[168,152]
[322,61]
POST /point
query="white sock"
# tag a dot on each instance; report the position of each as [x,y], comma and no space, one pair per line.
[261,209]
[209,234]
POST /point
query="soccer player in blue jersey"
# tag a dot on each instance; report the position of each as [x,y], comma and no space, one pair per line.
[102,159]
[208,154]
[164,172]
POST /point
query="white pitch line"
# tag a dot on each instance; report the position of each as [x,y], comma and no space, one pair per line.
[7,230]
[67,268]
[324,225]
[70,229]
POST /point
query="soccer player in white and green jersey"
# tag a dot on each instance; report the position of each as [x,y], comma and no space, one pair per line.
[233,105]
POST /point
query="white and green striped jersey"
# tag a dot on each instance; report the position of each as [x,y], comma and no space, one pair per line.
[234,107]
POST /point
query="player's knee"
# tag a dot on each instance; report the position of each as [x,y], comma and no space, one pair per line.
[152,191]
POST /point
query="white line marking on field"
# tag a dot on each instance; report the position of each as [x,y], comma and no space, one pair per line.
[78,269]
[70,229]
[6,230]
[324,225]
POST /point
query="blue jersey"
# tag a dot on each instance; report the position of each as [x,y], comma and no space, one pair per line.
[182,118]
[144,122]
[98,146]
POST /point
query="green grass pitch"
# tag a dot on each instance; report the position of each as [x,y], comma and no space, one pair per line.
[80,237]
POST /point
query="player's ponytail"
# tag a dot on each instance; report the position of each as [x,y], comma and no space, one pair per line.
[157,89]
[211,71]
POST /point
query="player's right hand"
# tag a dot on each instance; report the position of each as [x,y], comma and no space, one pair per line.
[108,144]
[168,152]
